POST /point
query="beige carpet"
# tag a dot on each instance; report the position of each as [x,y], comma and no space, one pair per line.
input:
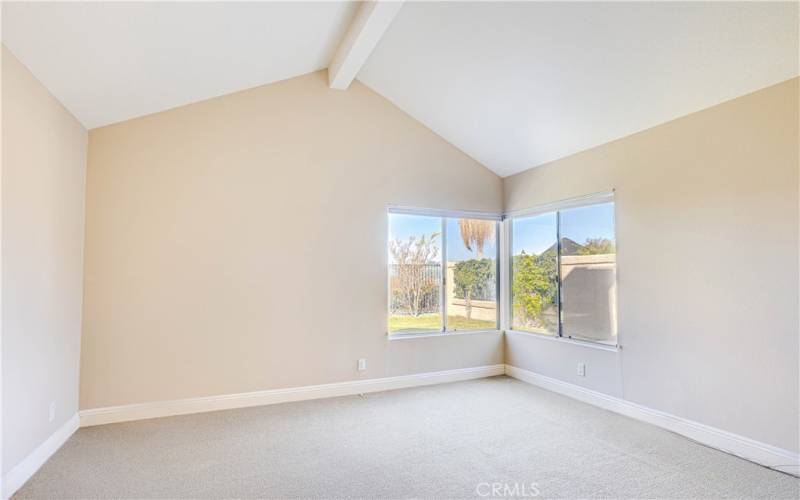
[447,441]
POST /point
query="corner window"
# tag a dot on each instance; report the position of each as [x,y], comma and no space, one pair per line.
[442,273]
[563,273]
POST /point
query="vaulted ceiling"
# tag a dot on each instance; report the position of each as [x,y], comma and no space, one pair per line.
[519,84]
[111,61]
[512,84]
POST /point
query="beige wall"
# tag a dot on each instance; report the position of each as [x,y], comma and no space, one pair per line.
[239,243]
[44,160]
[707,227]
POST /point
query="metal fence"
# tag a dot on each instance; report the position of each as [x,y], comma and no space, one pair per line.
[415,288]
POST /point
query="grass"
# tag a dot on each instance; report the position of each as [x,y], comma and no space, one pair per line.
[432,323]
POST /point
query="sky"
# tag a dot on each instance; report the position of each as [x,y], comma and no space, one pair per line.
[401,226]
[532,234]
[536,234]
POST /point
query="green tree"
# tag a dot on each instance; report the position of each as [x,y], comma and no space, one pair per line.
[597,246]
[533,286]
[471,277]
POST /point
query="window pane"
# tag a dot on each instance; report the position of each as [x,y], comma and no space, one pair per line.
[534,285]
[471,274]
[588,273]
[415,273]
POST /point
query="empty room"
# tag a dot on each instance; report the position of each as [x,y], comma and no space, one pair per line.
[400,250]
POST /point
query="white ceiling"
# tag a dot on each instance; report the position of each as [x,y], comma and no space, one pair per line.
[514,85]
[111,61]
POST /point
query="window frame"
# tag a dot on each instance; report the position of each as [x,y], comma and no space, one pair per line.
[556,207]
[444,215]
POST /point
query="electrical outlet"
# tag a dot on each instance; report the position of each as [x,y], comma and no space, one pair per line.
[581,370]
[362,364]
[52,414]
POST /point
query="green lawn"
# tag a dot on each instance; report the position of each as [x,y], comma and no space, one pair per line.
[432,322]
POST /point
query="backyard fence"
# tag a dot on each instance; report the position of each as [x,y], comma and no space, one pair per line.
[415,289]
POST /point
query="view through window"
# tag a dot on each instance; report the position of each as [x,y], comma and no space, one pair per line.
[471,280]
[534,271]
[588,273]
[563,273]
[442,274]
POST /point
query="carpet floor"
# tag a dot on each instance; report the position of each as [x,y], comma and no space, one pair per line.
[487,438]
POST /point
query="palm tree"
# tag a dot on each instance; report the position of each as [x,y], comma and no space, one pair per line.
[475,233]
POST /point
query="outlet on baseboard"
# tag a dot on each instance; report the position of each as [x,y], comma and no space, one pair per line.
[362,364]
[52,414]
[581,369]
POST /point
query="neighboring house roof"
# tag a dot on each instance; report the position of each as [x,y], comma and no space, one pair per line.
[568,247]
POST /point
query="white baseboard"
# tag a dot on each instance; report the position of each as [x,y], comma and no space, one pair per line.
[112,414]
[749,449]
[23,471]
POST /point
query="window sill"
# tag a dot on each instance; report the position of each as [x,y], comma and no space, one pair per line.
[582,343]
[410,336]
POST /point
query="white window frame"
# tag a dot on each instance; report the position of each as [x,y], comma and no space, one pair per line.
[577,202]
[444,215]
